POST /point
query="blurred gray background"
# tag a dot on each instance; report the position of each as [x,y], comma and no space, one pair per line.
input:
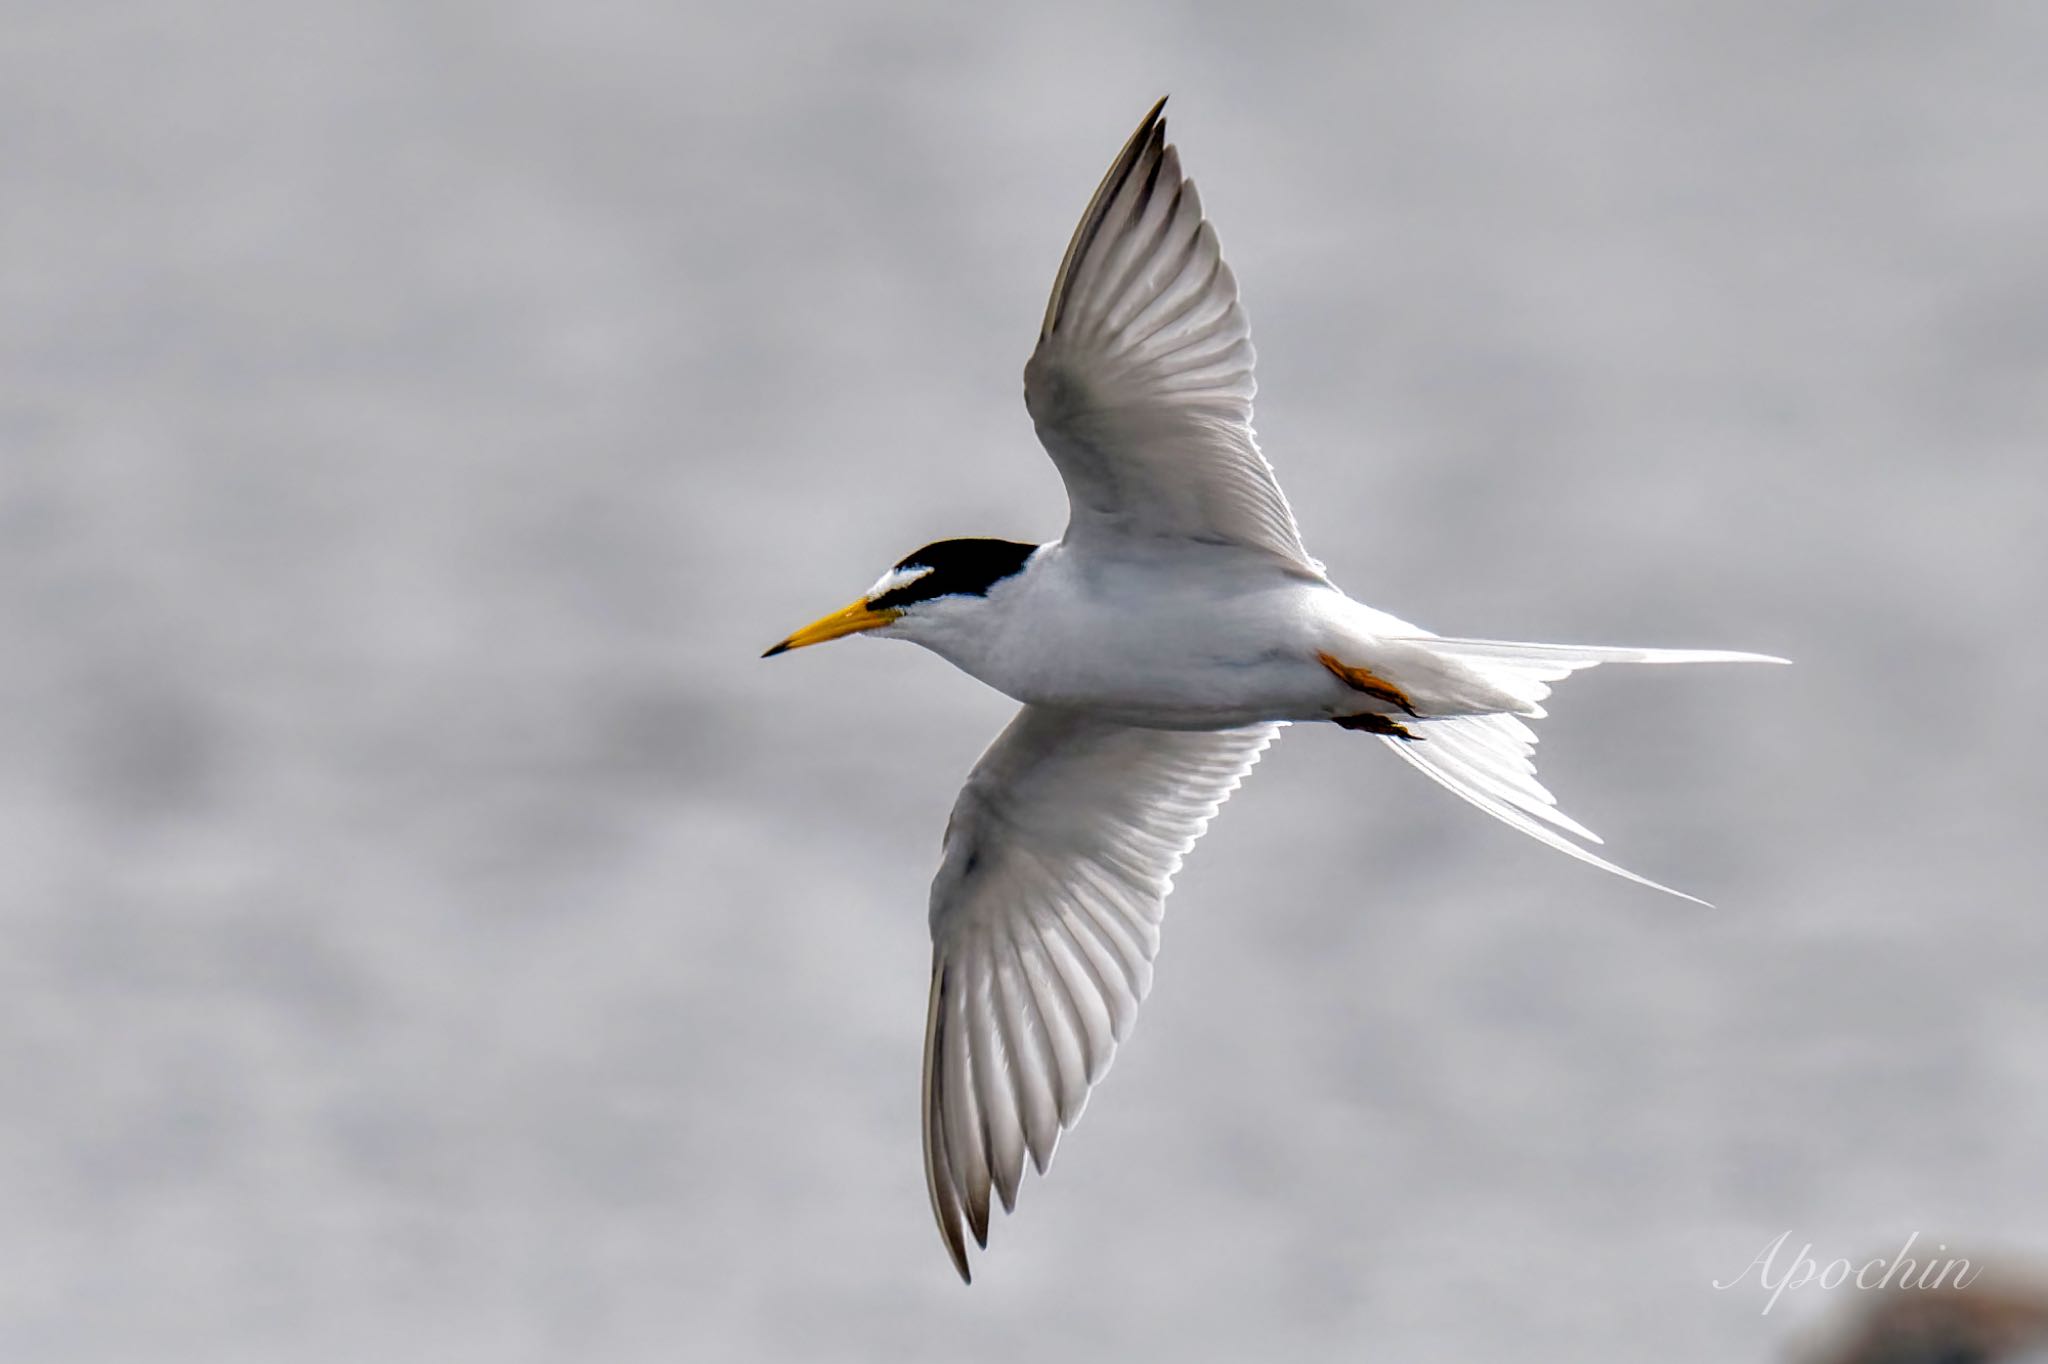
[428,932]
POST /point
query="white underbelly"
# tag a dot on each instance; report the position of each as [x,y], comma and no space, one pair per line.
[1170,653]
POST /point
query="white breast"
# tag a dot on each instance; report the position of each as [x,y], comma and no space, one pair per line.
[1179,637]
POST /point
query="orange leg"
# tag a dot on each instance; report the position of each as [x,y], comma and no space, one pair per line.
[1369,682]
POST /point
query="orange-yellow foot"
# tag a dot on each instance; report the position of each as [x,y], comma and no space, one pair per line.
[1369,682]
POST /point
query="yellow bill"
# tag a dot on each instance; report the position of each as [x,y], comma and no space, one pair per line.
[850,620]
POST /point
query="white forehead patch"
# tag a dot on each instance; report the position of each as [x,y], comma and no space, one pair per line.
[897,577]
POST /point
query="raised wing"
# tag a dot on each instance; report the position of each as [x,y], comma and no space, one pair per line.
[1141,386]
[1045,919]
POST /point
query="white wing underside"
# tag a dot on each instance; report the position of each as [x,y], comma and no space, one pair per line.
[1045,920]
[1141,385]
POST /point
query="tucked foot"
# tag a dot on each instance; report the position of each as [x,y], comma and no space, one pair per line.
[1379,724]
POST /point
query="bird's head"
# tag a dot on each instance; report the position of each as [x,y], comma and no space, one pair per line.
[937,592]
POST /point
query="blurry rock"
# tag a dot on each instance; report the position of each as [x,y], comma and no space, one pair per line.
[1996,1319]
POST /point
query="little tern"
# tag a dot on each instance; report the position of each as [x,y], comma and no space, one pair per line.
[1158,647]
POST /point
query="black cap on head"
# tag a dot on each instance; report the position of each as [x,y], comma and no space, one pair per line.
[956,568]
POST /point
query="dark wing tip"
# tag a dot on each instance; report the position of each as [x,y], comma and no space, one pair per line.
[1149,139]
[938,1172]
[956,1247]
[977,1215]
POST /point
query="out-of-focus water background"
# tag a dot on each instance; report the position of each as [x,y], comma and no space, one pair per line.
[428,932]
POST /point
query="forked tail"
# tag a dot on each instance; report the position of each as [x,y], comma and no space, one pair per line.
[1486,759]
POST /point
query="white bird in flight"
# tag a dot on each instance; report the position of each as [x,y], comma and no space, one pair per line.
[1158,647]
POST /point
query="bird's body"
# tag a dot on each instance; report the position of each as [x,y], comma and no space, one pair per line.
[1157,647]
[1169,635]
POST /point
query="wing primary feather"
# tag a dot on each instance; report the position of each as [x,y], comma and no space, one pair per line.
[1091,221]
[1131,254]
[1034,1070]
[1193,326]
[1171,302]
[1064,1033]
[1141,384]
[1084,988]
[994,1082]
[1105,968]
[1097,263]
[965,1144]
[938,1171]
